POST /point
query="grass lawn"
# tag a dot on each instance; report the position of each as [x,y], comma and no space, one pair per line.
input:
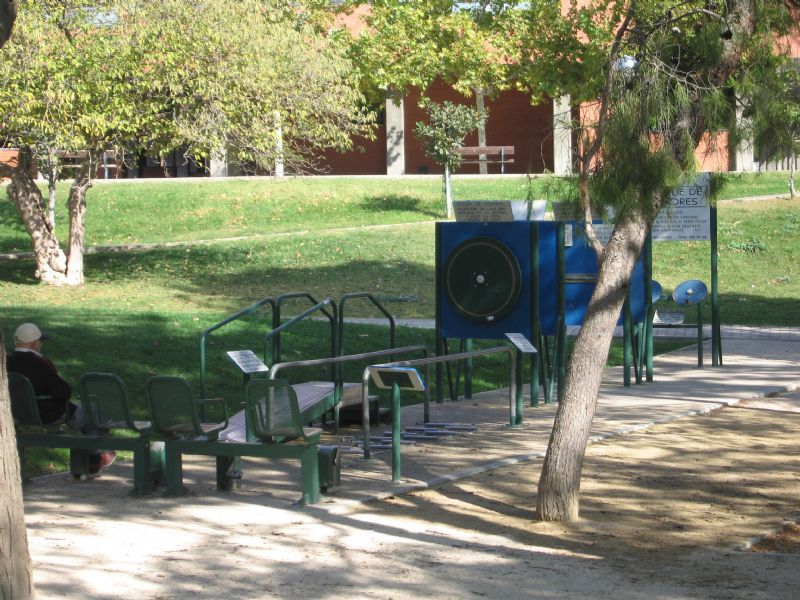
[142,312]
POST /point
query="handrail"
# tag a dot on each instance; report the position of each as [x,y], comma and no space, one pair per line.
[296,319]
[242,313]
[346,358]
[514,403]
[273,372]
[276,321]
[371,297]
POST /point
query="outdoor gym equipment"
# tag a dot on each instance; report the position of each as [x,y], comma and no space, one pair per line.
[533,278]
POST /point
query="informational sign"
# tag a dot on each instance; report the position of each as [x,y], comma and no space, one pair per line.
[247,361]
[492,211]
[485,211]
[687,216]
[406,378]
[522,343]
[565,211]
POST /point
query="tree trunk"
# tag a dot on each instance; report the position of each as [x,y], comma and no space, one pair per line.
[448,192]
[8,14]
[52,181]
[16,571]
[559,484]
[480,105]
[77,220]
[51,264]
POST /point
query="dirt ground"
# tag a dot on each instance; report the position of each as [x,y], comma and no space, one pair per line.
[669,512]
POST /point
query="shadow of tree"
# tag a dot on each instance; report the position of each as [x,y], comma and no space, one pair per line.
[396,202]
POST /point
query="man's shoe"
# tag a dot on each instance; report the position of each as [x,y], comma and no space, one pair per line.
[106,459]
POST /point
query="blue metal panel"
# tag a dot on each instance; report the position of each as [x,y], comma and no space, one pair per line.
[581,263]
[516,237]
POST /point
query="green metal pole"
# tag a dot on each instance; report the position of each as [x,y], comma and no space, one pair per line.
[535,324]
[699,336]
[468,371]
[439,371]
[627,342]
[561,277]
[716,337]
[518,374]
[395,433]
[648,265]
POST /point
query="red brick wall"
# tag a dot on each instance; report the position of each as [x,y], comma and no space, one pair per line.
[512,122]
[368,157]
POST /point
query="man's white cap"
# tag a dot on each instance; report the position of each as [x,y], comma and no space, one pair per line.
[27,333]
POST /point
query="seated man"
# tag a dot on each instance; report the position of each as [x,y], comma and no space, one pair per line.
[52,391]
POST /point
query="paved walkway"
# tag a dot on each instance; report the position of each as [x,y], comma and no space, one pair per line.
[729,332]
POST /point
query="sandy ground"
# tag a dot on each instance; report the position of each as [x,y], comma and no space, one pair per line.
[668,512]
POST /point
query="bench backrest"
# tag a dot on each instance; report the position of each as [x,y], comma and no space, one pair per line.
[272,410]
[105,400]
[24,408]
[478,150]
[172,406]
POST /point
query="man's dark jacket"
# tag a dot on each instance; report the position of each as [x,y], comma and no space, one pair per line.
[46,382]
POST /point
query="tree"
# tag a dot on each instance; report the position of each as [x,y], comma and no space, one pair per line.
[413,44]
[773,110]
[654,78]
[8,14]
[448,125]
[16,572]
[125,75]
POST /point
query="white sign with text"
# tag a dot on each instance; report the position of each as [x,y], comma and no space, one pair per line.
[687,216]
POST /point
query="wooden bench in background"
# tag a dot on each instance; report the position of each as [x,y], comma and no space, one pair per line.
[490,155]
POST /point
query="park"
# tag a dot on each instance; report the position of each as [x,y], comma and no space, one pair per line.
[447,385]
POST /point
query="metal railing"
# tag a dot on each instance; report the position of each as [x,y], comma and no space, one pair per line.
[515,401]
[278,328]
[369,296]
[273,372]
[242,313]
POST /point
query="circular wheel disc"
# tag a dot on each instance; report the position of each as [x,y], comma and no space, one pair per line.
[483,279]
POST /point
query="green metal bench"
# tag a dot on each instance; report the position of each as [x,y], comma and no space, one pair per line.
[107,408]
[271,426]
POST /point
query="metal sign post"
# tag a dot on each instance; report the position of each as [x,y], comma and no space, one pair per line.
[523,346]
[396,378]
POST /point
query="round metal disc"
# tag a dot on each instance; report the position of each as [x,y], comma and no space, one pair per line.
[656,295]
[483,279]
[692,291]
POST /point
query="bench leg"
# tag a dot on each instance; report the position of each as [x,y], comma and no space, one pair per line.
[21,454]
[78,462]
[228,471]
[141,470]
[309,467]
[173,470]
[148,467]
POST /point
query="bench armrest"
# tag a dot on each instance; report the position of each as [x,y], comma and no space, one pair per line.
[221,402]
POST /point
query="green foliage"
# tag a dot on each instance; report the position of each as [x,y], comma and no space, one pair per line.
[411,44]
[654,79]
[751,246]
[449,124]
[177,74]
[771,90]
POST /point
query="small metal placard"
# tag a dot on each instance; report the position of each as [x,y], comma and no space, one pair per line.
[247,361]
[522,343]
[486,211]
[406,378]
